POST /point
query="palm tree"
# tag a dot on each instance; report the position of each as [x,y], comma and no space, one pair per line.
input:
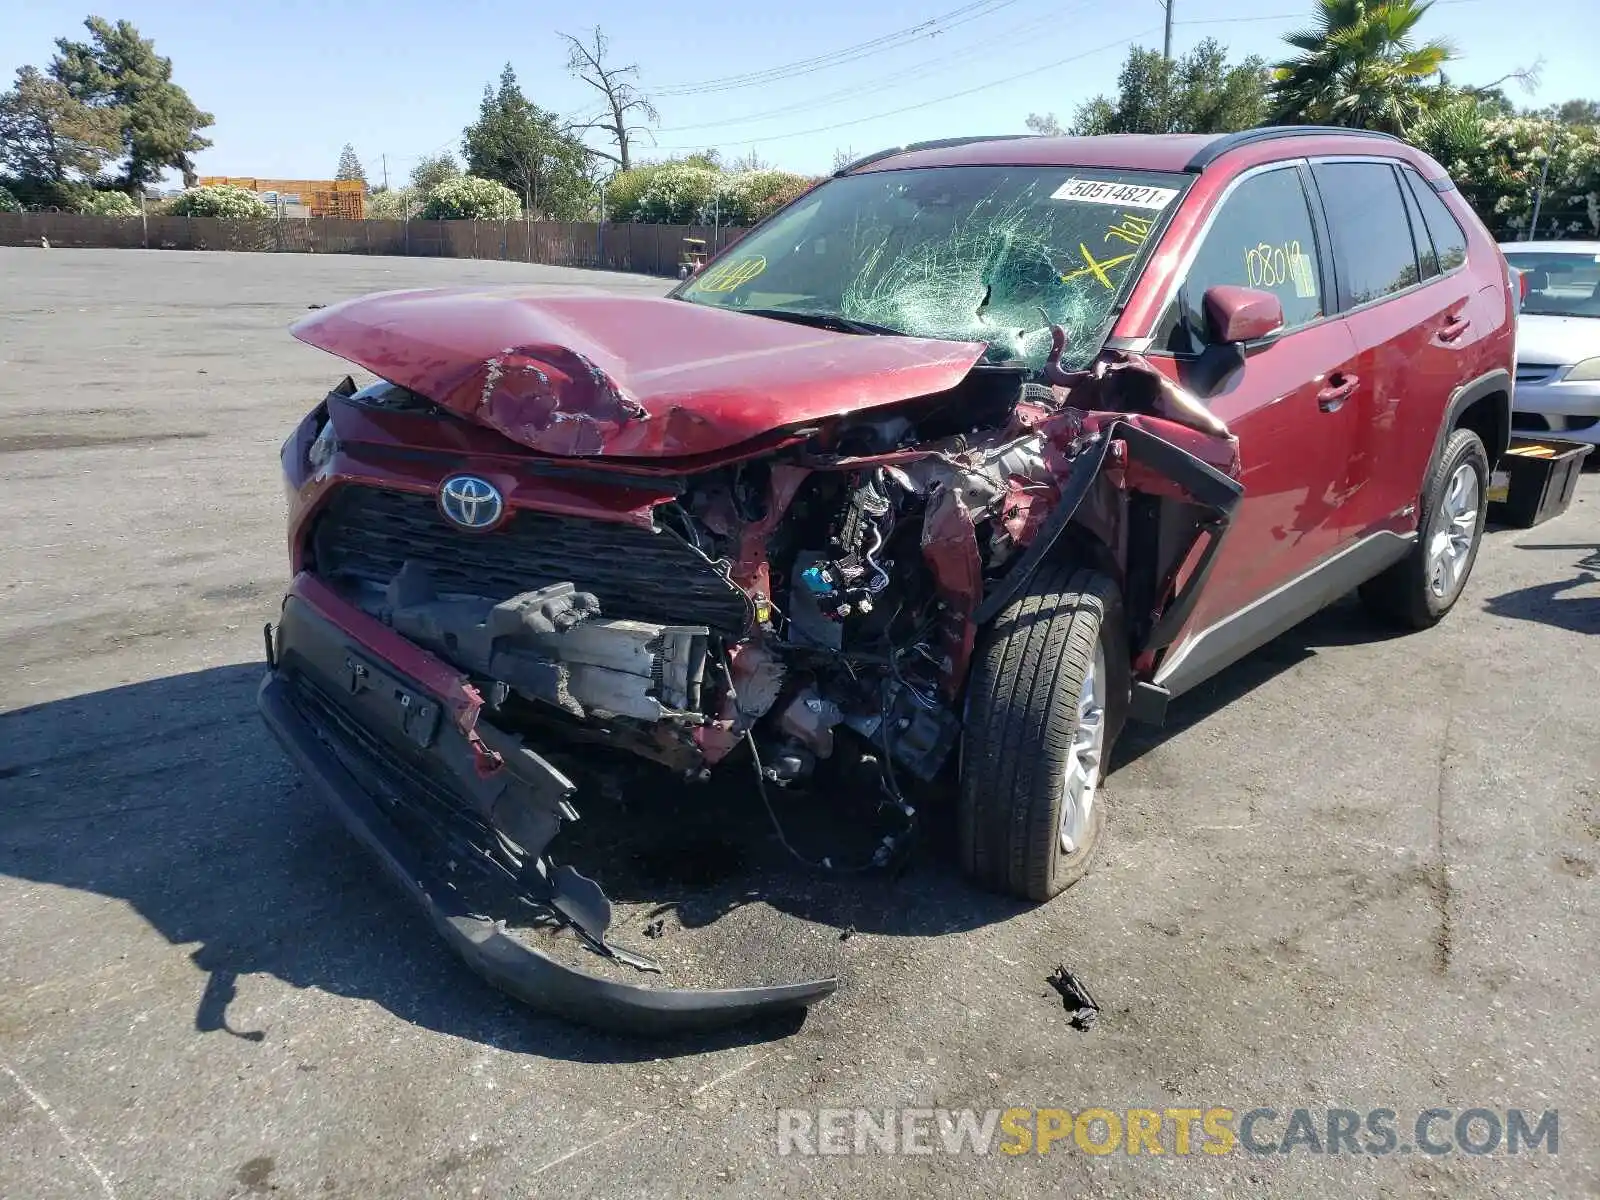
[1359,66]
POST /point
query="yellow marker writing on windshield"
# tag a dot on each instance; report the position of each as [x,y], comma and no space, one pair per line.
[1130,229]
[1097,269]
[732,275]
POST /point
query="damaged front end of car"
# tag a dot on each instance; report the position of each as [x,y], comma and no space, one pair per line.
[535,545]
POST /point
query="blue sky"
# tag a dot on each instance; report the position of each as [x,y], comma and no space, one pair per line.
[290,82]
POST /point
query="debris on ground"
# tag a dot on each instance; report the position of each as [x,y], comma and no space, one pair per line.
[655,929]
[848,932]
[1081,1006]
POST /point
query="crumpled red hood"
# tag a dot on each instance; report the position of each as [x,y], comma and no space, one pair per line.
[624,376]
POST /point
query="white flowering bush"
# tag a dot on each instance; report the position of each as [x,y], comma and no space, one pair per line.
[396,204]
[622,191]
[470,198]
[677,194]
[696,190]
[109,204]
[221,200]
[1498,162]
[746,197]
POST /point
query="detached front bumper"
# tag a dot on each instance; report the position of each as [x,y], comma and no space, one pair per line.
[353,769]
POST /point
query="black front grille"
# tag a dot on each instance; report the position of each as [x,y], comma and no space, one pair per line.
[366,533]
[405,785]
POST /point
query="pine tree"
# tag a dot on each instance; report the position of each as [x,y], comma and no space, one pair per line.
[119,70]
[350,165]
[519,144]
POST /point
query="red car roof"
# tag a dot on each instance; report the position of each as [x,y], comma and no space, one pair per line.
[1176,152]
[1137,151]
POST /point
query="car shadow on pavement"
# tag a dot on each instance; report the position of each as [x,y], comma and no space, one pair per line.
[1549,603]
[1344,623]
[171,796]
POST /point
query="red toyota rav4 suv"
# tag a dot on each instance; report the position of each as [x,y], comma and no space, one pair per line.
[967,456]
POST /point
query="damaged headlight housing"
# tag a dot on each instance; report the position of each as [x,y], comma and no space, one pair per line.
[324,447]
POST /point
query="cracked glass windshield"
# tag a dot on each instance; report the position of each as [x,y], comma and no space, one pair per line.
[975,253]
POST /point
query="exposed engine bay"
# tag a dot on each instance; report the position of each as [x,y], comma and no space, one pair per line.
[811,610]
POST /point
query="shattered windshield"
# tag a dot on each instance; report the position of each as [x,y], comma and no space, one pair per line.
[980,253]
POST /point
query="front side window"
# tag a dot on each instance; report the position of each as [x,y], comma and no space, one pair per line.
[1561,283]
[1367,224]
[1262,238]
[974,253]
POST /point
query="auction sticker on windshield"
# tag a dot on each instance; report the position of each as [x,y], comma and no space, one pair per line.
[1103,191]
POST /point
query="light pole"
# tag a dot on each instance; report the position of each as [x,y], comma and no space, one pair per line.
[1538,197]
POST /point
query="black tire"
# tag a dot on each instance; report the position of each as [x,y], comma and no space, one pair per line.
[1402,595]
[1022,711]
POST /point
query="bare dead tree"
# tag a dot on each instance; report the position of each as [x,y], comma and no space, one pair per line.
[1527,78]
[618,86]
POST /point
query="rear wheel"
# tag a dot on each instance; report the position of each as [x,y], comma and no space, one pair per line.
[1046,700]
[1421,588]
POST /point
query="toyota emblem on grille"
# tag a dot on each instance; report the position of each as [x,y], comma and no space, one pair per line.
[470,502]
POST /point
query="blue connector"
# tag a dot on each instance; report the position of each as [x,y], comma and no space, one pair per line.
[817,581]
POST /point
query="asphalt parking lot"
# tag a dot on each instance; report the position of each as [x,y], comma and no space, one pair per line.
[1356,872]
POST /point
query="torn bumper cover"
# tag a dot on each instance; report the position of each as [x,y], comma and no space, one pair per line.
[387,753]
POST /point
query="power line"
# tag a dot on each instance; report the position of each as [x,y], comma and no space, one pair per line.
[883,83]
[889,41]
[972,91]
[803,66]
[1294,16]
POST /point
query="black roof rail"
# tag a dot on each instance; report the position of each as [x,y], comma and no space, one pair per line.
[868,158]
[1215,149]
[938,144]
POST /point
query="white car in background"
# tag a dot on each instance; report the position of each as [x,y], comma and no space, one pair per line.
[1558,339]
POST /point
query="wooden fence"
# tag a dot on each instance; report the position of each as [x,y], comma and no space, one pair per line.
[646,249]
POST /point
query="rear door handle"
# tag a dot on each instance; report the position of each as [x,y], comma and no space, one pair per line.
[1454,328]
[1339,389]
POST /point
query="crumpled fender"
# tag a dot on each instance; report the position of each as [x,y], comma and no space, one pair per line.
[1140,453]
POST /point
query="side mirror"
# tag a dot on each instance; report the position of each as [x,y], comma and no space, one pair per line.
[1240,314]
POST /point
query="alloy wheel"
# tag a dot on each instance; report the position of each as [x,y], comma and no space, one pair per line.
[1078,792]
[1455,528]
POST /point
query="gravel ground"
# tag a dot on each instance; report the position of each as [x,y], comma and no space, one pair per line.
[1355,872]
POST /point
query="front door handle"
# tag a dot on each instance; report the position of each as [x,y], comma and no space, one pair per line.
[1339,389]
[1454,328]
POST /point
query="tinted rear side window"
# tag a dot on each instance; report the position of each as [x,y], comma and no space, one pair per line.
[1372,250]
[1426,258]
[1449,240]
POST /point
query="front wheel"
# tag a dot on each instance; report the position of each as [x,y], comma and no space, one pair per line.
[1421,588]
[1046,700]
